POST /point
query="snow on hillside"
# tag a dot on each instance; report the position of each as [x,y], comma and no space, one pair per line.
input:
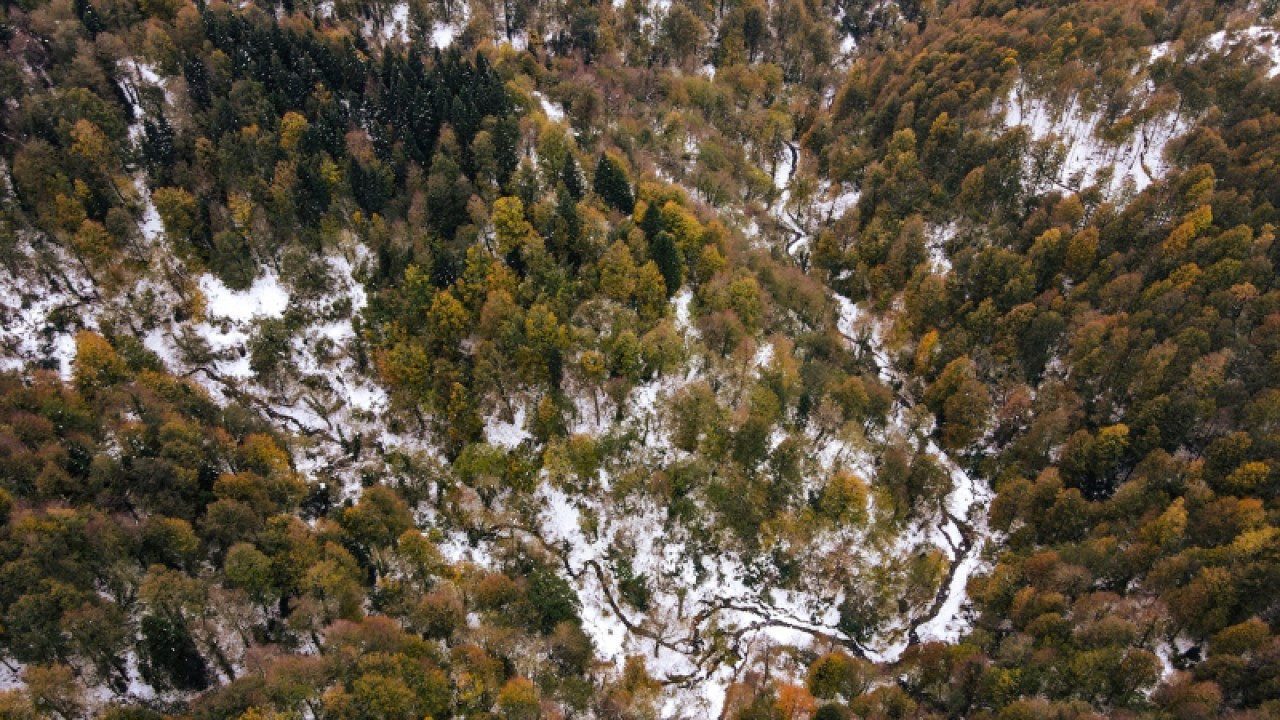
[141,75]
[399,27]
[41,312]
[265,298]
[324,397]
[501,433]
[936,239]
[800,218]
[226,329]
[11,676]
[960,530]
[967,503]
[47,296]
[550,109]
[696,596]
[1262,41]
[1135,161]
[680,304]
[442,35]
[395,26]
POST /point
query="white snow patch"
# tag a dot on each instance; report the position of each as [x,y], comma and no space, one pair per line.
[507,434]
[800,218]
[936,239]
[11,676]
[456,549]
[1262,41]
[783,168]
[863,328]
[138,689]
[443,35]
[28,305]
[764,355]
[265,298]
[152,227]
[1164,653]
[398,26]
[967,502]
[550,109]
[1078,154]
[681,302]
[148,73]
[519,41]
[835,204]
[947,625]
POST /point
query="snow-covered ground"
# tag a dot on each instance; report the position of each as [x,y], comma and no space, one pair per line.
[397,26]
[48,296]
[336,403]
[550,109]
[936,239]
[41,311]
[1073,140]
[695,598]
[1261,41]
[1134,161]
[507,434]
[10,676]
[707,620]
[966,503]
[800,218]
[265,298]
[699,600]
[442,35]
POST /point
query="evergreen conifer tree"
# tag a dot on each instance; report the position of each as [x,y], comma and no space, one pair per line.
[612,186]
[570,176]
[665,253]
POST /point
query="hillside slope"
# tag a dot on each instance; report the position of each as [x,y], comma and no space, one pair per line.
[639,359]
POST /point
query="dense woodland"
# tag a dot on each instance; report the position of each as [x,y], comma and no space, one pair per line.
[739,328]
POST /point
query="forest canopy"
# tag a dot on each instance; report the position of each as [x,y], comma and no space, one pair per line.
[528,359]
